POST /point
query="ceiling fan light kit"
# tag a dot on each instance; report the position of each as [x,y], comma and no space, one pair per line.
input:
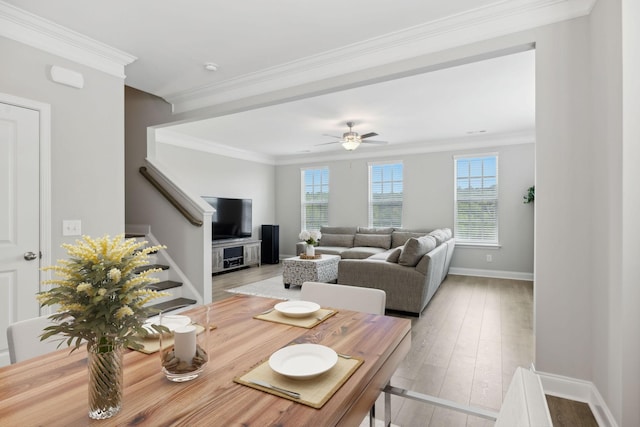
[352,140]
[350,144]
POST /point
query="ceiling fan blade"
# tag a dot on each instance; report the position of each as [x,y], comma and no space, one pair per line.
[368,135]
[332,136]
[327,143]
[373,141]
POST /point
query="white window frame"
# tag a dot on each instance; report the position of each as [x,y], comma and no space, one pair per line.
[303,199]
[465,239]
[371,165]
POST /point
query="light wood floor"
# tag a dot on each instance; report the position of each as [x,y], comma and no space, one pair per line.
[465,347]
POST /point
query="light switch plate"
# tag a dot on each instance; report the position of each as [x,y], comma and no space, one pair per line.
[71,227]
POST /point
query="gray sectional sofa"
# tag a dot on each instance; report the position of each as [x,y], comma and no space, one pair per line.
[409,265]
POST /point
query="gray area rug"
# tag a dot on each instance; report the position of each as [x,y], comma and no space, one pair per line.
[270,288]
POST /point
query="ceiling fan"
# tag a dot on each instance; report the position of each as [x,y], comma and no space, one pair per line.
[352,140]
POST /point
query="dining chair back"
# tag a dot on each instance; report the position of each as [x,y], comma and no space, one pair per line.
[24,339]
[367,300]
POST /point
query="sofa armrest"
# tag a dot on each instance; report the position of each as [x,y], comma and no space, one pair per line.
[405,286]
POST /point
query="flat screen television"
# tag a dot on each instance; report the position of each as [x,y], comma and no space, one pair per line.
[232,218]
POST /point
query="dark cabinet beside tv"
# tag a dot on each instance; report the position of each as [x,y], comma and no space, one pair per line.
[270,244]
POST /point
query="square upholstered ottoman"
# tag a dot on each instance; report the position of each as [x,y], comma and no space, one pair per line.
[296,271]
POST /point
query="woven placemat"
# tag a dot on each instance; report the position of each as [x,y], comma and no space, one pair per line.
[152,344]
[308,322]
[314,392]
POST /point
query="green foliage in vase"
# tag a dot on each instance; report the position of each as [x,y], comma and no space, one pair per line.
[101,293]
[531,195]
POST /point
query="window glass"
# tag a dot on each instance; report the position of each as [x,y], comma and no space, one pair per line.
[476,199]
[315,198]
[385,194]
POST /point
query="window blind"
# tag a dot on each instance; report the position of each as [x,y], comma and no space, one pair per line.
[476,199]
[315,198]
[385,194]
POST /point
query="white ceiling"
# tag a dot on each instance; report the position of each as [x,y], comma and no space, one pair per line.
[487,99]
[261,46]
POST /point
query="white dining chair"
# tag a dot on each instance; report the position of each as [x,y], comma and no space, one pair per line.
[24,339]
[366,300]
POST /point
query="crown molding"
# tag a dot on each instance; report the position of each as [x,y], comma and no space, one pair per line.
[165,136]
[498,19]
[25,27]
[477,142]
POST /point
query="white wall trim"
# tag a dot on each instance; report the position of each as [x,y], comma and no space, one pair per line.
[581,391]
[25,27]
[497,274]
[483,23]
[165,136]
[45,175]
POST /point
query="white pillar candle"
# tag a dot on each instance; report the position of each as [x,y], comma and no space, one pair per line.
[185,343]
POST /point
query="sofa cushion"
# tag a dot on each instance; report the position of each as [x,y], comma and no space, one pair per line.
[416,248]
[440,236]
[360,252]
[375,230]
[344,240]
[373,240]
[338,230]
[447,232]
[394,255]
[399,238]
[330,250]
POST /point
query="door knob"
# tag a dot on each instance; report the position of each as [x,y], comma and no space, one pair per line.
[30,256]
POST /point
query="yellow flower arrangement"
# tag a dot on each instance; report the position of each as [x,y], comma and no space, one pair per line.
[101,292]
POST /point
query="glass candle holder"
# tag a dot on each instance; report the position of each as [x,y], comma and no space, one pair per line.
[183,352]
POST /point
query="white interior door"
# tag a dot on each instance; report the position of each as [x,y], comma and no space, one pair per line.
[19,218]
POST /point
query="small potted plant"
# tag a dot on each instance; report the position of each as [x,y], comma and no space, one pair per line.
[531,195]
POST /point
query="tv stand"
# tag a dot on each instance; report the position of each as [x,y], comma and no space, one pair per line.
[231,255]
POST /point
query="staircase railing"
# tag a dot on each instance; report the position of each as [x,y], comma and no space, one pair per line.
[192,219]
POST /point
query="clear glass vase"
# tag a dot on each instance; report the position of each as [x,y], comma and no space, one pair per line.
[184,351]
[105,380]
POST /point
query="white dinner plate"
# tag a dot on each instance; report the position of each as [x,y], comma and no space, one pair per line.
[171,321]
[297,308]
[303,361]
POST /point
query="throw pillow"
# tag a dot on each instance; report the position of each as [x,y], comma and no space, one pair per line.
[399,238]
[416,248]
[373,240]
[341,240]
[439,235]
[394,255]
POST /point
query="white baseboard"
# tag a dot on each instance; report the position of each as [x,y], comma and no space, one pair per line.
[498,274]
[581,391]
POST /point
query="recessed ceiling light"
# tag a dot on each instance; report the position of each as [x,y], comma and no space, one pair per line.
[210,66]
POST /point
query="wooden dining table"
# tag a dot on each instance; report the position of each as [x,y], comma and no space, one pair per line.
[51,390]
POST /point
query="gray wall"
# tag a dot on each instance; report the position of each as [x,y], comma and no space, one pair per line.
[209,174]
[428,202]
[142,110]
[87,140]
